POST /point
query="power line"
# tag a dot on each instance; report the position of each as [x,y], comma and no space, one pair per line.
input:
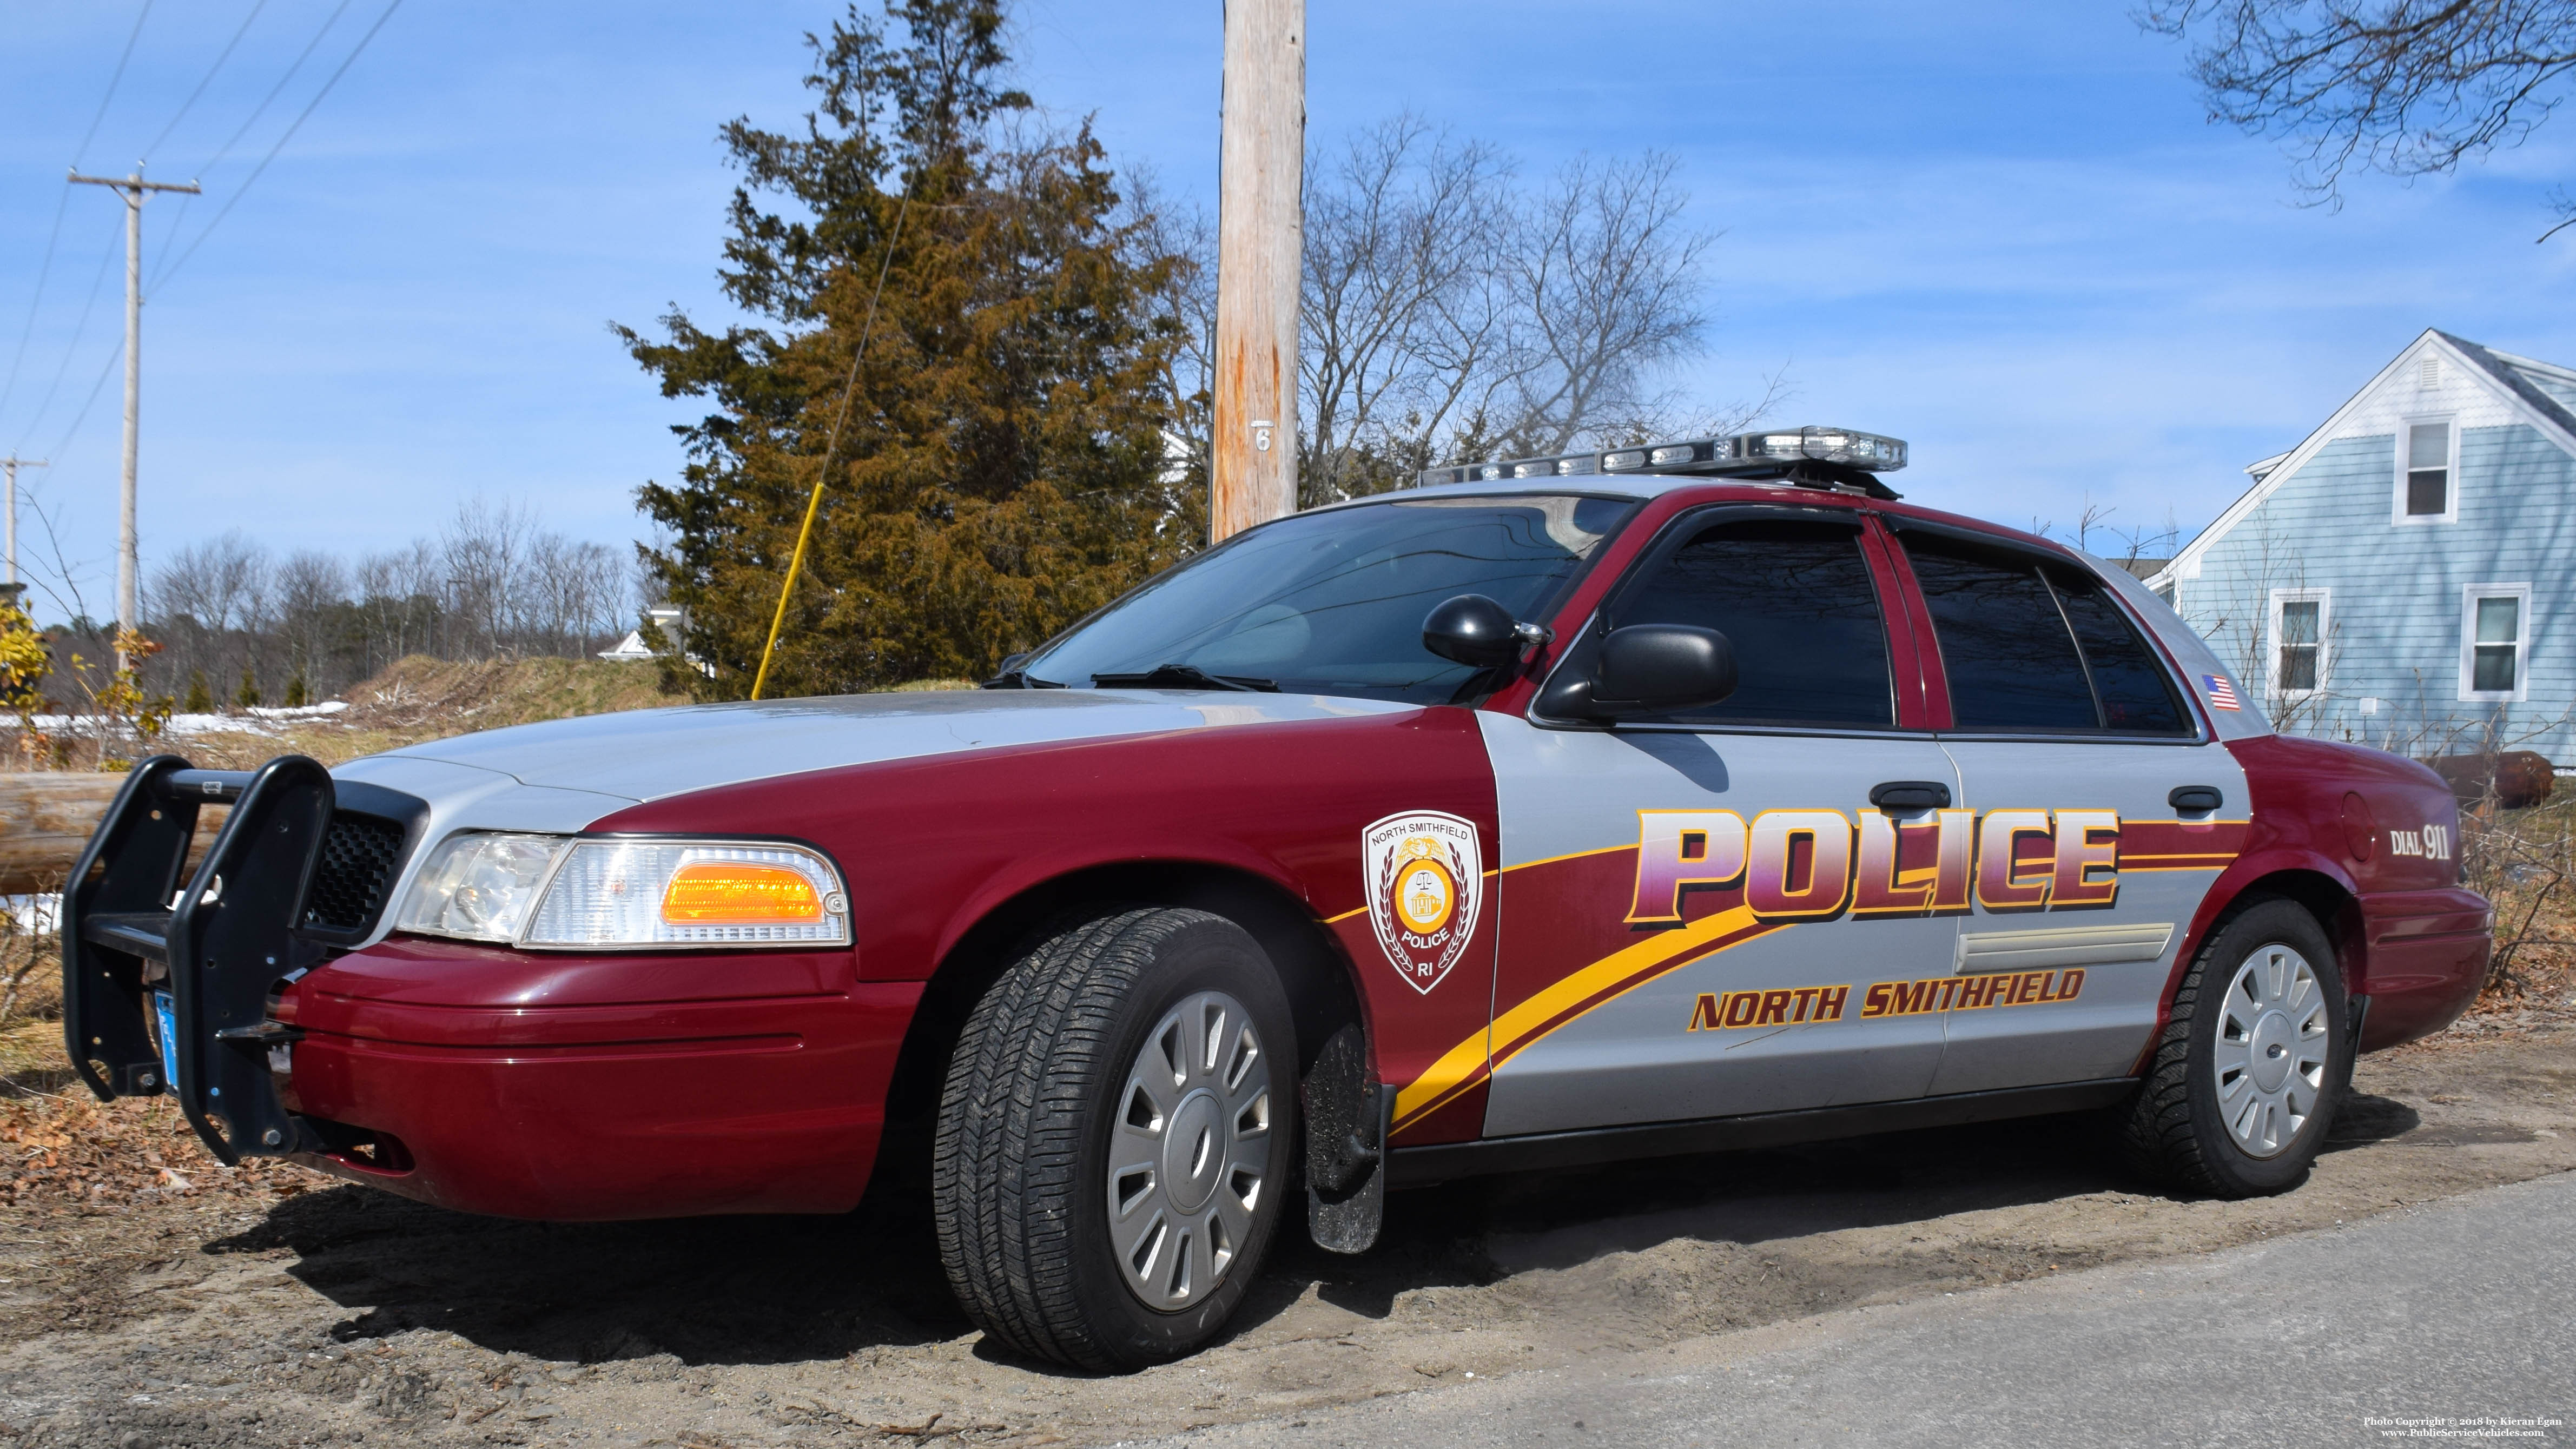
[46,268]
[211,72]
[122,57]
[293,68]
[80,329]
[97,386]
[242,190]
[261,109]
[44,271]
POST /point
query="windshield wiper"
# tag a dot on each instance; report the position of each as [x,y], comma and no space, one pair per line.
[1185,676]
[1019,679]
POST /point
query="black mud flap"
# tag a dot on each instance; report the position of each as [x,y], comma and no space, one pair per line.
[1346,1115]
[203,959]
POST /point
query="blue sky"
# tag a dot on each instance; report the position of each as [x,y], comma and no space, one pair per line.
[2003,232]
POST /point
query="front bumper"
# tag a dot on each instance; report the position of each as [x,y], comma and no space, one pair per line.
[591,1088]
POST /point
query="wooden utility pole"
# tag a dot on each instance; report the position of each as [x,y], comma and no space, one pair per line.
[1260,229]
[133,188]
[11,465]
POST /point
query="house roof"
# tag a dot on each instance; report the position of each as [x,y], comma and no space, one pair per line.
[2545,387]
[2542,392]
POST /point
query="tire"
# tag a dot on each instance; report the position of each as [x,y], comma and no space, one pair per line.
[2249,1070]
[1067,1126]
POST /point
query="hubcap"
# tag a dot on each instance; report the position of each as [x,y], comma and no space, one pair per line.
[2271,1048]
[1190,1154]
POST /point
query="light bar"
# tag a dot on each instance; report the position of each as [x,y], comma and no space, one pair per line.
[1772,452]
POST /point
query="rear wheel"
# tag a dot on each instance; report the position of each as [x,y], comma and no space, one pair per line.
[2246,1078]
[1113,1139]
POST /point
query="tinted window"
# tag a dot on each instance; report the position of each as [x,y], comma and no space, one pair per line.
[1332,602]
[2011,663]
[1795,598]
[2126,677]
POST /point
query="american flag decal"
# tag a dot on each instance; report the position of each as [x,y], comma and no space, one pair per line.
[2222,695]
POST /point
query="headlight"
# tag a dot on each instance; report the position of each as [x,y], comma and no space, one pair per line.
[563,892]
[479,886]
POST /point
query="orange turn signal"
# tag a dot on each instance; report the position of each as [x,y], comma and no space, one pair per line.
[725,892]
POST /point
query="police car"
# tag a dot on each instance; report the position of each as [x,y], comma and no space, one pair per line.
[1652,801]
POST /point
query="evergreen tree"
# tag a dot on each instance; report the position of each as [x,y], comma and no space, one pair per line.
[201,700]
[247,697]
[296,696]
[1001,471]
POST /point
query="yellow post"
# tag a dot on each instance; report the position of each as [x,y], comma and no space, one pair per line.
[814,501]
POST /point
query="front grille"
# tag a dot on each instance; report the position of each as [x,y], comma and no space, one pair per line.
[359,853]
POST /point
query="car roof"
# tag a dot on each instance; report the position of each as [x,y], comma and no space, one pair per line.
[1645,487]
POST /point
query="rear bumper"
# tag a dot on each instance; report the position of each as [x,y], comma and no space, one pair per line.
[2425,956]
[509,1087]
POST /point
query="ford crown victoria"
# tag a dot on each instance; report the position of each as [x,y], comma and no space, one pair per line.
[1645,802]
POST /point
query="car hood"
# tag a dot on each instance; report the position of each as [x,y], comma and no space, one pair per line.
[604,762]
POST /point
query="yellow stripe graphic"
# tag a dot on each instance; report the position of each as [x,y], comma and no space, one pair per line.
[1632,966]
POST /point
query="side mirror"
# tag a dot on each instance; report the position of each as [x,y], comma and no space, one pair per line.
[1472,629]
[1647,669]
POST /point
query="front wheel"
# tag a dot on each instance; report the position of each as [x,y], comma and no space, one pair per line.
[2246,1078]
[1114,1137]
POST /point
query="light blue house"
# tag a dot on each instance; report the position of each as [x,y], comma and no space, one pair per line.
[2403,577]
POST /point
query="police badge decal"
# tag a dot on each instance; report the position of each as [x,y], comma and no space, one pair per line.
[1426,879]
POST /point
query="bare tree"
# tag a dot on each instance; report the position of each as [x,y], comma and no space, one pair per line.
[312,595]
[572,593]
[486,548]
[398,602]
[1607,275]
[2404,87]
[492,583]
[1451,313]
[1157,229]
[1405,301]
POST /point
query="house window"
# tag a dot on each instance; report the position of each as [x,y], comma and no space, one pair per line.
[2298,641]
[2424,492]
[2495,641]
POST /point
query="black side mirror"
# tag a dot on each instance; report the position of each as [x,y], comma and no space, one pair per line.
[1646,669]
[1473,630]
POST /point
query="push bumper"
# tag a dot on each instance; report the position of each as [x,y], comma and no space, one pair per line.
[530,1086]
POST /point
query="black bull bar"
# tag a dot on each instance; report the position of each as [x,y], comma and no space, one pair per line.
[168,986]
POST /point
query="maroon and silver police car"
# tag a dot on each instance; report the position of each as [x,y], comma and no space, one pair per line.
[1644,802]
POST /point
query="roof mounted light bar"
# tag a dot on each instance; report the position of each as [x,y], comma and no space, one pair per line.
[1815,457]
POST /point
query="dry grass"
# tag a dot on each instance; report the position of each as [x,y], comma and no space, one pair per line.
[421,699]
[2525,862]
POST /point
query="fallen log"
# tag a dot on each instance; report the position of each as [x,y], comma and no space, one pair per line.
[45,819]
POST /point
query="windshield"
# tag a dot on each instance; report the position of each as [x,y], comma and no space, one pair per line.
[1333,602]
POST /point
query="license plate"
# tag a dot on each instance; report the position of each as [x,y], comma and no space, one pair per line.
[165,1017]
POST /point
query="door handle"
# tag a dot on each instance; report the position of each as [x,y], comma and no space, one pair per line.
[2196,799]
[1910,795]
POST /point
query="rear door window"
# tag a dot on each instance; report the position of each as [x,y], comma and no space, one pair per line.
[2029,647]
[1795,598]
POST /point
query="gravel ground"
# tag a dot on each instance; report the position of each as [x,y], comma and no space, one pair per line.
[147,1298]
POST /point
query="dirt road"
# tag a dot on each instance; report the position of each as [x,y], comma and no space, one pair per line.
[339,1315]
